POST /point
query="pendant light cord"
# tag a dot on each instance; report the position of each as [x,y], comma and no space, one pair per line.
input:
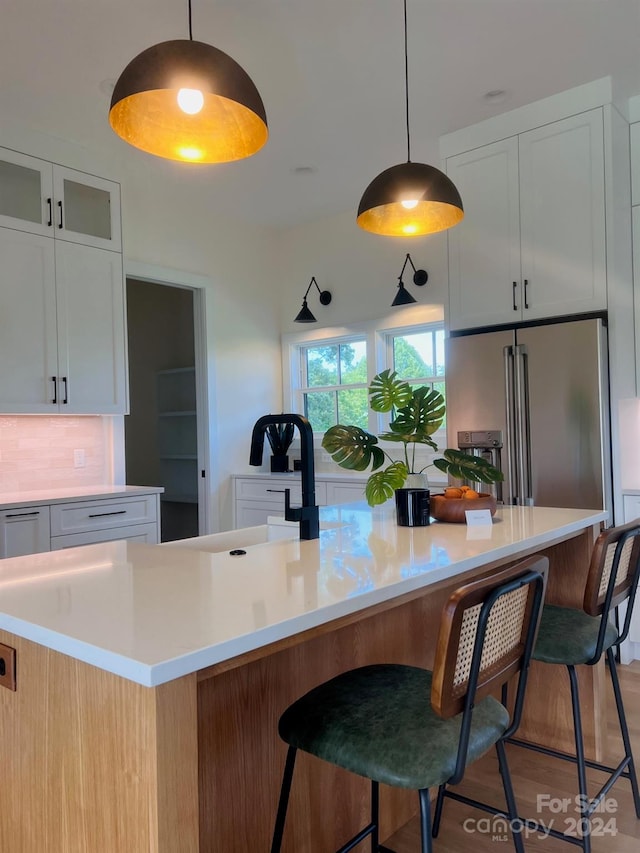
[191,30]
[406,81]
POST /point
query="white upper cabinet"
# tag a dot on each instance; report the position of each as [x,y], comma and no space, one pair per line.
[28,329]
[90,331]
[484,249]
[62,327]
[532,243]
[51,200]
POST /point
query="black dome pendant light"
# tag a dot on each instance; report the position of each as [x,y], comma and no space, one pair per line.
[186,100]
[409,199]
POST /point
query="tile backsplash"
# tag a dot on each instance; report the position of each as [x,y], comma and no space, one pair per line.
[39,452]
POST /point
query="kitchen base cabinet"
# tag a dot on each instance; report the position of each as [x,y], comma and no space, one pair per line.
[258,496]
[135,533]
[64,524]
[24,530]
[88,522]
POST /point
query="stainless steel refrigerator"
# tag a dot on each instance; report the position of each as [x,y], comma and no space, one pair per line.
[542,393]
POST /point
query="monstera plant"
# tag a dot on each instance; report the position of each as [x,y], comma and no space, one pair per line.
[417,412]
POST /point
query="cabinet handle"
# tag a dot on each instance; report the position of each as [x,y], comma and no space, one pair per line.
[55,389]
[21,514]
[101,514]
[60,212]
[515,287]
[276,491]
[49,205]
[526,301]
[66,390]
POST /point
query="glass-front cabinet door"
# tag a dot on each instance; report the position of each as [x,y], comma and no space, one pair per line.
[26,193]
[54,201]
[87,209]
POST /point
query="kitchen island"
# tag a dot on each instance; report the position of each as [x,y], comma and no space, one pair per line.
[150,678]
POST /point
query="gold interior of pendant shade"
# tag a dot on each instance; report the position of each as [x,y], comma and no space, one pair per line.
[231,125]
[222,131]
[394,220]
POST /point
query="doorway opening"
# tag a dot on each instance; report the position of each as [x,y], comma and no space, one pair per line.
[161,432]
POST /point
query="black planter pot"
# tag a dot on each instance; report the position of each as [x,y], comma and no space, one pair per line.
[279,464]
[412,507]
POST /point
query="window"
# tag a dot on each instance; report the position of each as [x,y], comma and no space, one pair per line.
[328,374]
[334,383]
[418,357]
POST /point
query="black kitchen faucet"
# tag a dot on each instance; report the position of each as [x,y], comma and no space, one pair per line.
[307,514]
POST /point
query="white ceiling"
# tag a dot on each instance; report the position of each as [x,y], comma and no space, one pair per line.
[330,72]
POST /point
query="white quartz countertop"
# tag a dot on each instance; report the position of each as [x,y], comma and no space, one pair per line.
[79,493]
[152,613]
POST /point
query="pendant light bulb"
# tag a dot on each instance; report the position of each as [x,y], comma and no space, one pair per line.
[190,101]
[409,199]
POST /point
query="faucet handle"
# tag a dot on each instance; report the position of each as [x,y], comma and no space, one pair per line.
[289,513]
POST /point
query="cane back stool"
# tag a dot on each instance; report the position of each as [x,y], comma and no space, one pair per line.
[376,721]
[573,637]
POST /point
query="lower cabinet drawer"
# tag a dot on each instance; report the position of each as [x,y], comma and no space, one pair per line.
[147,533]
[82,516]
[24,530]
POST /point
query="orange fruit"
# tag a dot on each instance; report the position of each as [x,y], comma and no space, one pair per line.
[470,495]
[453,492]
[464,488]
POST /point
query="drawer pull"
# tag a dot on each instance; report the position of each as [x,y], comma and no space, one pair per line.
[277,491]
[22,514]
[102,514]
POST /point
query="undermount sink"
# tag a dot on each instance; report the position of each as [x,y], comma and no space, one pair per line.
[244,537]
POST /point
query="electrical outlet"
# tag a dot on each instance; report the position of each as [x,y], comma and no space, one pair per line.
[7,667]
[78,459]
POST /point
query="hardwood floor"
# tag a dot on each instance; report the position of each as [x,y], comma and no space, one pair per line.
[464,828]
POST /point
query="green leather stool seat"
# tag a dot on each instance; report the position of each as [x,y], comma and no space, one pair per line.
[377,721]
[569,637]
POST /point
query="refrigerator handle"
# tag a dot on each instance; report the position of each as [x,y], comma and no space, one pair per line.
[510,438]
[522,425]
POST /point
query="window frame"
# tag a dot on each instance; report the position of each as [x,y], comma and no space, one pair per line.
[377,334]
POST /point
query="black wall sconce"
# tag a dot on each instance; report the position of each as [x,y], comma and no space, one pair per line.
[305,315]
[420,278]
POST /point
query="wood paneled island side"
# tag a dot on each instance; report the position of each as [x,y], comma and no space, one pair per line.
[150,679]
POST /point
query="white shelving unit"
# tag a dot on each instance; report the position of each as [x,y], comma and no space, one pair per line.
[177,434]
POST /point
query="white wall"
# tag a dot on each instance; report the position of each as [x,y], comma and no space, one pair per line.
[161,225]
[360,269]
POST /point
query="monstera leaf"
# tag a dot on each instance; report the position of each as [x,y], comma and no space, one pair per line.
[387,392]
[382,485]
[419,418]
[464,467]
[353,448]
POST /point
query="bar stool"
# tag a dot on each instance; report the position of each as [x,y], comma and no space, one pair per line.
[573,637]
[376,721]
